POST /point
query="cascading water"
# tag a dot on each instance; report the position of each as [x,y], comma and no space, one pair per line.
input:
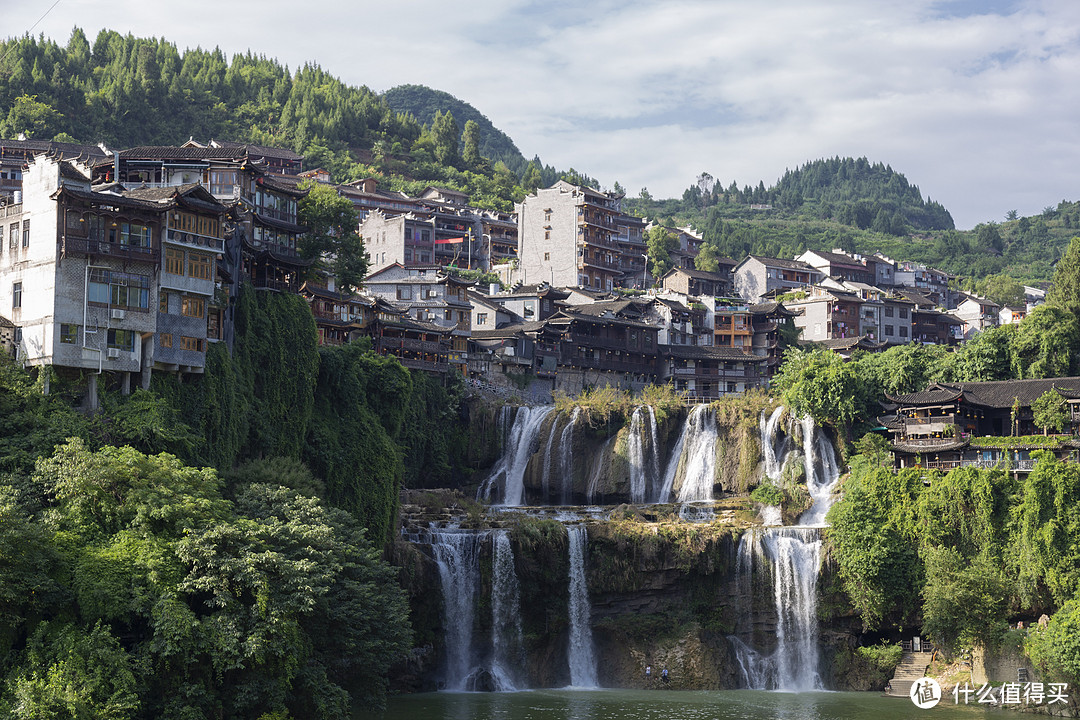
[566,444]
[457,554]
[509,472]
[506,634]
[774,456]
[699,449]
[580,654]
[793,556]
[635,450]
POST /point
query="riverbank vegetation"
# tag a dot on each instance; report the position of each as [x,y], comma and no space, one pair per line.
[963,554]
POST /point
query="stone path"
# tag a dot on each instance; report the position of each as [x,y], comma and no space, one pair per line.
[912,667]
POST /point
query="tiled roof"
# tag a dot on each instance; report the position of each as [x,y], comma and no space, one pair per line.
[781,263]
[709,352]
[838,259]
[698,274]
[995,393]
[862,342]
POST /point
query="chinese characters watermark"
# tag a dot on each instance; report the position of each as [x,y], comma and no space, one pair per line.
[1013,693]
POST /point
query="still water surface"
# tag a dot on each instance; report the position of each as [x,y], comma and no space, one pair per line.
[671,705]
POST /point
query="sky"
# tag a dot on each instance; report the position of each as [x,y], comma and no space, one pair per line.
[975,101]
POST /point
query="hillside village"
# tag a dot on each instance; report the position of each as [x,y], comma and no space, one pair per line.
[124,262]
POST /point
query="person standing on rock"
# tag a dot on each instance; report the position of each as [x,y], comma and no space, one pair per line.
[663,676]
[648,673]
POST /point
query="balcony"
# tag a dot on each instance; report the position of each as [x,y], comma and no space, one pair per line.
[195,239]
[612,265]
[425,346]
[11,210]
[79,246]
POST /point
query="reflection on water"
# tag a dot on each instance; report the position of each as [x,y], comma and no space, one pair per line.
[668,705]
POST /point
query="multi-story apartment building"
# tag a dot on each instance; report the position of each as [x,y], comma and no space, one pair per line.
[733,325]
[839,265]
[192,243]
[92,277]
[500,233]
[16,155]
[366,196]
[432,296]
[630,236]
[826,314]
[928,281]
[978,314]
[568,236]
[710,372]
[756,277]
[269,236]
[768,319]
[699,282]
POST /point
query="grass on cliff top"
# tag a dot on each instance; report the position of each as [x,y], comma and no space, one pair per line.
[1019,441]
[602,405]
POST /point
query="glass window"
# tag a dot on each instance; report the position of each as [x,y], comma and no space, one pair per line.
[121,339]
[163,303]
[174,261]
[69,334]
[26,233]
[200,266]
[190,343]
[193,307]
[16,295]
[165,340]
[133,235]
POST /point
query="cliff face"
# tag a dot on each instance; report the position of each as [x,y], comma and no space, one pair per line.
[666,594]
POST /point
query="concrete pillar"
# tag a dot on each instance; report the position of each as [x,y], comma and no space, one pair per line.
[147,361]
[125,383]
[91,393]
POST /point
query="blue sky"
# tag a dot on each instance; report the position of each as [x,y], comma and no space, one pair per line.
[975,101]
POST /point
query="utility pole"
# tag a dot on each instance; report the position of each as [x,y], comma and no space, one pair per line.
[645,273]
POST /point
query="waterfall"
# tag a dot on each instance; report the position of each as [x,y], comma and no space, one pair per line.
[509,472]
[580,653]
[774,459]
[700,456]
[795,554]
[635,450]
[792,556]
[654,448]
[457,554]
[597,473]
[545,478]
[506,635]
[566,465]
[673,466]
[818,451]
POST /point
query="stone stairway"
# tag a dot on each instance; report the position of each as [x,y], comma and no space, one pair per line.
[912,667]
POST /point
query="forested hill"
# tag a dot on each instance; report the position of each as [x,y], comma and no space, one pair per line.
[858,193]
[423,102]
[127,91]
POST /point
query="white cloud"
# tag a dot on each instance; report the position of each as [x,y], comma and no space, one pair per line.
[975,102]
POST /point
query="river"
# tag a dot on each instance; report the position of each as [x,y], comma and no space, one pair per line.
[670,705]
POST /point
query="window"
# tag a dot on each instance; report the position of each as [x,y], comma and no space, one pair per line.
[888,330]
[163,303]
[165,340]
[404,292]
[75,223]
[190,343]
[69,334]
[481,318]
[547,256]
[192,307]
[133,235]
[200,266]
[121,339]
[213,324]
[174,261]
[903,313]
[16,295]
[888,312]
[903,331]
[13,235]
[222,182]
[26,233]
[547,236]
[547,215]
[118,289]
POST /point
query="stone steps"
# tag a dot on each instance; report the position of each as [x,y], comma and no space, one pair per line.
[912,667]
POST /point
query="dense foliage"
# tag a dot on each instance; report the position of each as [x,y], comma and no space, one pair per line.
[131,588]
[424,103]
[959,552]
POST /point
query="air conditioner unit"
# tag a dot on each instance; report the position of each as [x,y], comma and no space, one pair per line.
[114,353]
[117,314]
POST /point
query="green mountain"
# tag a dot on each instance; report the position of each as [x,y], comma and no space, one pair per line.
[423,102]
[862,207]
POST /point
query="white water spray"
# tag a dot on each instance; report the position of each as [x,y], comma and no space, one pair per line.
[506,634]
[580,654]
[509,473]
